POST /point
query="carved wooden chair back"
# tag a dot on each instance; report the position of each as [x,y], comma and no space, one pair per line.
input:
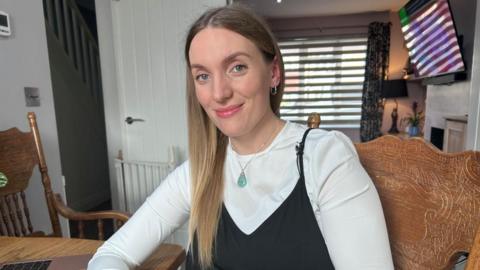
[431,201]
[20,153]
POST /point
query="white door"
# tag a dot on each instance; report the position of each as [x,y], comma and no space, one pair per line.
[148,38]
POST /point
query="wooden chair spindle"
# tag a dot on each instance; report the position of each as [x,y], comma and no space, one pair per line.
[19,214]
[120,224]
[3,223]
[81,232]
[100,229]
[26,212]
[11,212]
[3,231]
[6,219]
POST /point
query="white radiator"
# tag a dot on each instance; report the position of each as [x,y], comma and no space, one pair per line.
[136,180]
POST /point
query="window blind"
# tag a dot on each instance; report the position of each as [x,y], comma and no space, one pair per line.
[324,75]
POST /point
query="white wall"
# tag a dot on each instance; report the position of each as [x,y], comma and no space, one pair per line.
[24,62]
[445,100]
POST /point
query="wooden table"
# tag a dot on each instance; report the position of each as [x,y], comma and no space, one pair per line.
[166,257]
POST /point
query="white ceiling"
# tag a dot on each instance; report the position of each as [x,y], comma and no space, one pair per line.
[307,8]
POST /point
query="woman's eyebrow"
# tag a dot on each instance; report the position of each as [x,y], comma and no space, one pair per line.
[234,55]
[226,60]
[197,66]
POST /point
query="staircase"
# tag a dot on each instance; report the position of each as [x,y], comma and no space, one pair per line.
[66,22]
[77,91]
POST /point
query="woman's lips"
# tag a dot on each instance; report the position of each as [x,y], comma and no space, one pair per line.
[228,111]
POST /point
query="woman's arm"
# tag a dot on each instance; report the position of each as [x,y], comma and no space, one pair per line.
[352,220]
[349,211]
[166,209]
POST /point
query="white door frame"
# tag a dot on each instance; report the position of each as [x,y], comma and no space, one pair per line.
[473,130]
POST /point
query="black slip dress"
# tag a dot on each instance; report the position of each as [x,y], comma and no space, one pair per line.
[289,239]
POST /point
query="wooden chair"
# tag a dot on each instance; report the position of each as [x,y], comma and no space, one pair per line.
[431,201]
[20,152]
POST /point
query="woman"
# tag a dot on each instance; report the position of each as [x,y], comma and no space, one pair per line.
[250,205]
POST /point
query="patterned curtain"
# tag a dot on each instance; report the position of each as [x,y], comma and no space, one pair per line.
[376,67]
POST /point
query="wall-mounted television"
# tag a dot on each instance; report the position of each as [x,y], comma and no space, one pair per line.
[431,39]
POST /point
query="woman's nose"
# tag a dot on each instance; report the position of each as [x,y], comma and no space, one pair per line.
[221,89]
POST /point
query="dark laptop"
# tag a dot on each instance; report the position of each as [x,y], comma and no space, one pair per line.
[78,262]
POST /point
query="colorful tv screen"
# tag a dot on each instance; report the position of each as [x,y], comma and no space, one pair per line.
[431,38]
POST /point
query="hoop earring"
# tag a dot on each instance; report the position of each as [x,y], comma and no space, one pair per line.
[273,91]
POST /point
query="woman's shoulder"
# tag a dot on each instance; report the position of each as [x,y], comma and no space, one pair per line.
[324,152]
[324,142]
[332,142]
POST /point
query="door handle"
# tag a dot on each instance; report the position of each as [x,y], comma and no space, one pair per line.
[129,120]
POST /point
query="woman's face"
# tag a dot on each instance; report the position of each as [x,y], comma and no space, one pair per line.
[232,80]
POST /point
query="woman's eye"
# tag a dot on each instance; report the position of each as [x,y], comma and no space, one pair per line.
[239,68]
[201,77]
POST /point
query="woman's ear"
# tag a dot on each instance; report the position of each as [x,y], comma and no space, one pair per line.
[275,79]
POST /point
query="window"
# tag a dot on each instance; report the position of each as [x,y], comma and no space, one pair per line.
[324,75]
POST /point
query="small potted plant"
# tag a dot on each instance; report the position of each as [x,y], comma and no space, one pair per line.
[414,121]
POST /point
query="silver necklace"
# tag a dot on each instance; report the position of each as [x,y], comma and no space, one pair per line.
[242,179]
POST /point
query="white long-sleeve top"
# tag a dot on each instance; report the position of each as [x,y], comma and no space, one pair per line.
[344,199]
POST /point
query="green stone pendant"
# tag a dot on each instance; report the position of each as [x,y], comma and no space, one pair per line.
[242,180]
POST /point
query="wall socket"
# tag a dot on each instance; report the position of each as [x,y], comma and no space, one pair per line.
[32,96]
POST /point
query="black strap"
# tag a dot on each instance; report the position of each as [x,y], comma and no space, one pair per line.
[299,148]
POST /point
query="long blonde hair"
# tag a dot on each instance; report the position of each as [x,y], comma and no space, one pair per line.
[207,144]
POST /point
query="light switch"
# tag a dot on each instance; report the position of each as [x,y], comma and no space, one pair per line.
[32,97]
